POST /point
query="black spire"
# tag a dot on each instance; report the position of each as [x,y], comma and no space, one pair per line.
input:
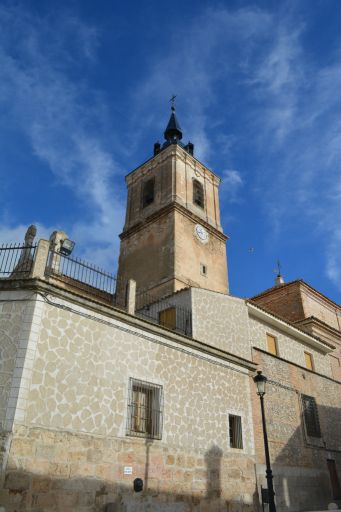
[173,134]
[173,131]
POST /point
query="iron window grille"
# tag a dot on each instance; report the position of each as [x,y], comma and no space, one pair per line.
[148,192]
[145,409]
[311,417]
[235,431]
[198,193]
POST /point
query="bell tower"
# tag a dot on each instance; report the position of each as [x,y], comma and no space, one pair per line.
[172,237]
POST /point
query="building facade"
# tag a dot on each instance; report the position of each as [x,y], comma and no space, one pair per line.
[137,394]
[307,308]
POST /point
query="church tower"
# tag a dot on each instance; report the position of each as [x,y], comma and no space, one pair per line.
[172,237]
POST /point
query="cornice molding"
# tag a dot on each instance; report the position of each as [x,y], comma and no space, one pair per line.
[170,152]
[313,320]
[171,207]
[290,329]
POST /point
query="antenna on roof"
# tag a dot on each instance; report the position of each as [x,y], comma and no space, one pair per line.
[279,278]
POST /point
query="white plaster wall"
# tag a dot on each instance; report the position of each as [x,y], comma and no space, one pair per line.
[221,321]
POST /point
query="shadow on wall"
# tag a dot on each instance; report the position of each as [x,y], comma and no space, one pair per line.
[310,483]
[303,418]
[307,470]
[30,492]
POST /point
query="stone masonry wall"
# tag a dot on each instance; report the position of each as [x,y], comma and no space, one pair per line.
[81,373]
[60,471]
[147,255]
[211,254]
[189,169]
[14,315]
[68,451]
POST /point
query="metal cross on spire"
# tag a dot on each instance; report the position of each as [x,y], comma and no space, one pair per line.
[172,100]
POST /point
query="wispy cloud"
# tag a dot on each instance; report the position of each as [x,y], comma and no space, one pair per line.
[290,115]
[245,85]
[65,131]
[17,233]
[334,258]
[301,128]
[231,185]
[197,67]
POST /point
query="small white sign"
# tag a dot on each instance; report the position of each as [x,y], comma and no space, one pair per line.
[128,470]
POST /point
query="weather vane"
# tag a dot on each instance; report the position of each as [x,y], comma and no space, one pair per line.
[172,100]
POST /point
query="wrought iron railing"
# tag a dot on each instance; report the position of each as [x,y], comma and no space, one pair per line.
[165,312]
[16,260]
[82,275]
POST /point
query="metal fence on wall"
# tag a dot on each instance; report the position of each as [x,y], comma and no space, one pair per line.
[16,260]
[82,275]
[165,312]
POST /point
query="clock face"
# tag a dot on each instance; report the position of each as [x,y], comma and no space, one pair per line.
[201,233]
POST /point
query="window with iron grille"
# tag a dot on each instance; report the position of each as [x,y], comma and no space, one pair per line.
[198,193]
[235,431]
[145,409]
[148,192]
[311,417]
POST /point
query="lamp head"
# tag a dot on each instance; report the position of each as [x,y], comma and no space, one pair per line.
[66,247]
[260,381]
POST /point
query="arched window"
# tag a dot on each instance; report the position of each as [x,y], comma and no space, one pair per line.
[198,193]
[148,192]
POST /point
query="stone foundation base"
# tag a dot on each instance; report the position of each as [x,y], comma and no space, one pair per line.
[64,472]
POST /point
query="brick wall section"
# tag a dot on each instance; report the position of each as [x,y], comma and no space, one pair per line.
[296,302]
[284,301]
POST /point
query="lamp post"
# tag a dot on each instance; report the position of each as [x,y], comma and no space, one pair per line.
[260,381]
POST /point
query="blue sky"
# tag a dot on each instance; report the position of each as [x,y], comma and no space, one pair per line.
[84,90]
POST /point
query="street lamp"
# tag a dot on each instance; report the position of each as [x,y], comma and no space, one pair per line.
[260,381]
